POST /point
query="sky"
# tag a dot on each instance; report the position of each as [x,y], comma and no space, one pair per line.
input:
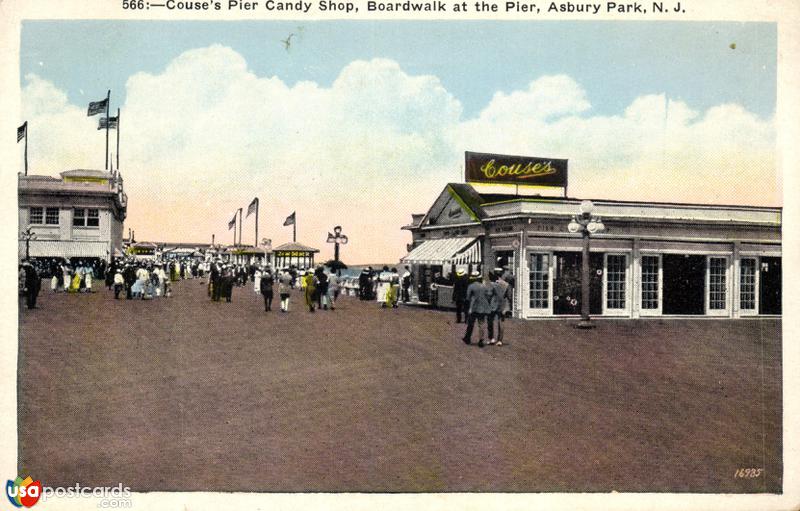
[362,123]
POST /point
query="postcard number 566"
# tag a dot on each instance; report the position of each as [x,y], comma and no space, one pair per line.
[748,473]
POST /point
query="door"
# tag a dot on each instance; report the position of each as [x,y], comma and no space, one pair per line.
[615,285]
[770,276]
[567,283]
[652,286]
[748,286]
[717,301]
[539,284]
[684,284]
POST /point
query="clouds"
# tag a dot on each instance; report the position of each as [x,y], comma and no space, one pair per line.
[202,137]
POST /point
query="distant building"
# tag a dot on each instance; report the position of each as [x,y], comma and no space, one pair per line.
[79,215]
[294,254]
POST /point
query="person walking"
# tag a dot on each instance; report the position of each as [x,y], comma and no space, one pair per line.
[479,295]
[310,289]
[322,287]
[284,289]
[406,281]
[265,282]
[119,282]
[499,299]
[460,295]
[333,289]
[31,284]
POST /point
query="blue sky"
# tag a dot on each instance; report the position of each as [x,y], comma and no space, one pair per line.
[614,61]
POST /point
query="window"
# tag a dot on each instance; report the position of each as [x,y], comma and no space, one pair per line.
[51,216]
[539,281]
[36,215]
[717,285]
[616,266]
[86,218]
[747,285]
[650,282]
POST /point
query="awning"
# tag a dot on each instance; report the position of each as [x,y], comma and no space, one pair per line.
[445,251]
[67,249]
[469,255]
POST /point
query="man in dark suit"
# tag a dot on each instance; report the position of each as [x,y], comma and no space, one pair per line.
[460,294]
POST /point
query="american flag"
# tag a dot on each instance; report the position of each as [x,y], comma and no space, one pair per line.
[97,107]
[111,122]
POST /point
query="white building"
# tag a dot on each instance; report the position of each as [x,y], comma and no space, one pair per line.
[80,215]
[653,259]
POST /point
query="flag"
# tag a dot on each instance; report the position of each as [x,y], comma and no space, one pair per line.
[232,223]
[110,121]
[97,107]
[252,208]
[22,131]
[289,220]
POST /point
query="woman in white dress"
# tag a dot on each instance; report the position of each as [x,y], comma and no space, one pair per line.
[257,281]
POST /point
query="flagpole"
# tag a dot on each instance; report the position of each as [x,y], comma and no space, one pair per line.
[240,226]
[117,139]
[255,244]
[294,228]
[108,108]
[26,148]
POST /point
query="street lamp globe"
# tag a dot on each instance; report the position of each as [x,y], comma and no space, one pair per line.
[586,207]
[573,227]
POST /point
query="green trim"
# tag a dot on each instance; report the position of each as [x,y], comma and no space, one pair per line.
[547,201]
[461,203]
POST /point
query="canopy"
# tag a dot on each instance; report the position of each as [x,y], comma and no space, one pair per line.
[67,249]
[445,251]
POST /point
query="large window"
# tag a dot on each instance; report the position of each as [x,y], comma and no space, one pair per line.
[539,281]
[36,215]
[747,285]
[717,283]
[616,282]
[650,282]
[86,218]
[51,216]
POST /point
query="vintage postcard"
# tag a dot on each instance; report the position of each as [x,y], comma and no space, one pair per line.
[356,254]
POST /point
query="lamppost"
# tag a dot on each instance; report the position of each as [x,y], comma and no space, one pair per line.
[338,238]
[587,225]
[28,235]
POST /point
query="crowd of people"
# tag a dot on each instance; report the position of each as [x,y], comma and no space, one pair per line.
[485,300]
[320,286]
[385,286]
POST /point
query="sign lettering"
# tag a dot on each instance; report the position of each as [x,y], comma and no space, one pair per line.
[525,170]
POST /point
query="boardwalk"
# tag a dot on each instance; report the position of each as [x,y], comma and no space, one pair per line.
[185,394]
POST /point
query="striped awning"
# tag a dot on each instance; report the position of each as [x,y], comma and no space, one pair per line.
[443,251]
[470,255]
[67,249]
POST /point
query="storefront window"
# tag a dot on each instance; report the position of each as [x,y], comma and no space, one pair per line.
[539,281]
[616,282]
[747,285]
[51,217]
[717,282]
[35,216]
[650,282]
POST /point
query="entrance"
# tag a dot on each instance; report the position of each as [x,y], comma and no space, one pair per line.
[770,277]
[567,283]
[684,284]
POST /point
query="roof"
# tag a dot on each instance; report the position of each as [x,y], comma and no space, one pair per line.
[475,200]
[87,173]
[295,247]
